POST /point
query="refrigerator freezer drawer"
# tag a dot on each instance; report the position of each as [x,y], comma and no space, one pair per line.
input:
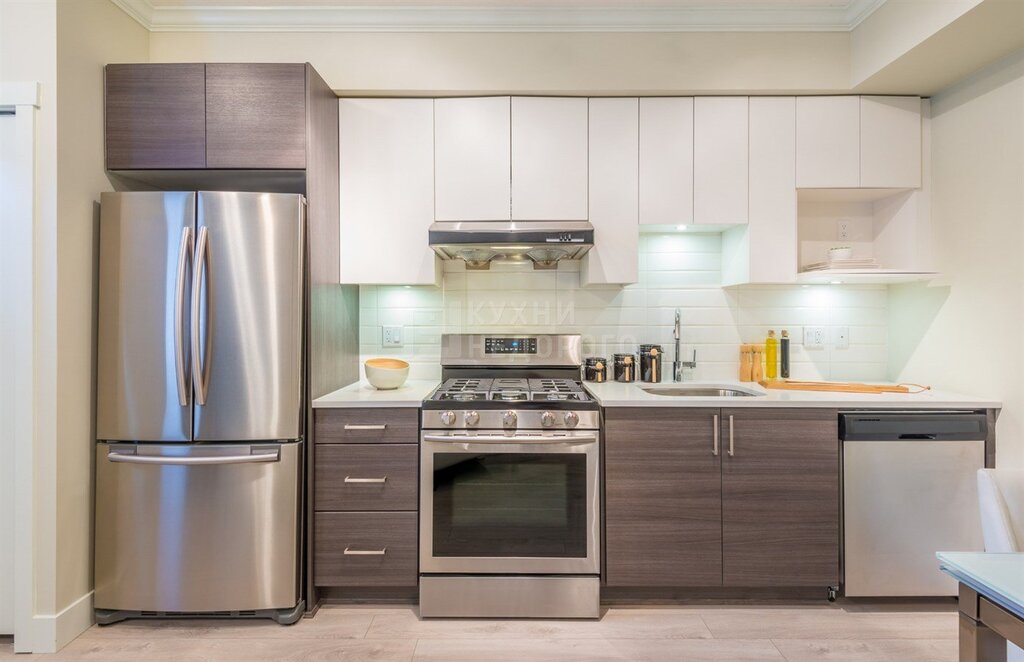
[904,501]
[197,528]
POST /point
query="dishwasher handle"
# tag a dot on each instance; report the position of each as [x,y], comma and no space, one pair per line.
[913,426]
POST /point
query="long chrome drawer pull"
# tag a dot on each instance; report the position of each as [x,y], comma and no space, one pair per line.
[365,552]
[193,460]
[732,438]
[350,479]
[366,427]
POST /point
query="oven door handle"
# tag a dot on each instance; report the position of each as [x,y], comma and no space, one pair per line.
[519,439]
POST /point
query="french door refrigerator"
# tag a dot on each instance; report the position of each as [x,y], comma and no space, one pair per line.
[199,404]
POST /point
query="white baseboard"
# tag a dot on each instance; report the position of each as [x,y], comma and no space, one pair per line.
[51,632]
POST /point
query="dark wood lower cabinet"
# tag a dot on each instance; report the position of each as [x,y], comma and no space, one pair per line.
[780,498]
[663,498]
[677,515]
[366,549]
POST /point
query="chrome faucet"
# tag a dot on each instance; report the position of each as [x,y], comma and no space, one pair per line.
[677,365]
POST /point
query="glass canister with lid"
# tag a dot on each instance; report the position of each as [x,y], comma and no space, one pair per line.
[595,369]
[625,367]
[650,363]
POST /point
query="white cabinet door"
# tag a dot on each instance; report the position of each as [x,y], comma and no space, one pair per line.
[773,219]
[890,142]
[614,189]
[549,158]
[720,160]
[828,142]
[386,149]
[666,160]
[473,159]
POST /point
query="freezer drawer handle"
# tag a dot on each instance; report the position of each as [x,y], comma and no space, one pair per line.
[350,479]
[365,552]
[382,426]
[195,460]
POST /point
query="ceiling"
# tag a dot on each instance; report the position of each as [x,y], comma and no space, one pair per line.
[500,15]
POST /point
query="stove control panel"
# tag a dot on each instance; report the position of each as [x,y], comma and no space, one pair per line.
[510,346]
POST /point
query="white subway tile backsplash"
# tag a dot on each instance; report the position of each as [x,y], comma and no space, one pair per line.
[678,270]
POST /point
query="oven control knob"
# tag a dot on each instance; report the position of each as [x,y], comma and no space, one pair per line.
[448,418]
[509,419]
[572,419]
[547,419]
[472,418]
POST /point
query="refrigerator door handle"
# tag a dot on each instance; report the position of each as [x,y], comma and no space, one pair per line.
[184,253]
[199,270]
[131,458]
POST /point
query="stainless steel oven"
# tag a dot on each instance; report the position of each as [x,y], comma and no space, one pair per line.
[519,503]
[509,489]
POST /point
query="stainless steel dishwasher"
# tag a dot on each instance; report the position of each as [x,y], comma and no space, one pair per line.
[909,490]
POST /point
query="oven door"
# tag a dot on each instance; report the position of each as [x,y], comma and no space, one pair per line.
[511,504]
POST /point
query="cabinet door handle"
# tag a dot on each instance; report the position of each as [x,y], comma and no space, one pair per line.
[350,479]
[732,438]
[365,552]
[714,443]
[382,426]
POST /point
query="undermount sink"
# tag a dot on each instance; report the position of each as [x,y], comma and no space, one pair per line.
[696,391]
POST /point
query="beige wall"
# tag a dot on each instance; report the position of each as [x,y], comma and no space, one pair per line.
[90,33]
[964,332]
[573,63]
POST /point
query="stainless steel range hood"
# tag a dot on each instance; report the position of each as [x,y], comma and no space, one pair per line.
[543,243]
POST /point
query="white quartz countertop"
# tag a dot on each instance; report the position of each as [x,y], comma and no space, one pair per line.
[617,394]
[361,394]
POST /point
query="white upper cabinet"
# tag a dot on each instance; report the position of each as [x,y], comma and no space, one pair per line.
[828,142]
[720,160]
[549,158]
[386,149]
[890,142]
[858,142]
[473,159]
[666,160]
[773,217]
[614,191]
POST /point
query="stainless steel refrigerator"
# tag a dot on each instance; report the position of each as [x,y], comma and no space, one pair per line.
[200,404]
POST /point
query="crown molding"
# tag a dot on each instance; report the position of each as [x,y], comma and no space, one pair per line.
[781,17]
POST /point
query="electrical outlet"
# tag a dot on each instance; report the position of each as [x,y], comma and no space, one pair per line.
[392,336]
[814,337]
[843,230]
[841,337]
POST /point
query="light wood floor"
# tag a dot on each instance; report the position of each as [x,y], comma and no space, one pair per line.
[908,633]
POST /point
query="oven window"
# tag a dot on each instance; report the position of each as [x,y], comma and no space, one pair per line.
[510,504]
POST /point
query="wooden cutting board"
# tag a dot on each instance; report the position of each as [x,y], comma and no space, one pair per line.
[839,387]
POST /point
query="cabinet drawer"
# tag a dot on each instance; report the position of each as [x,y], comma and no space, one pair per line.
[388,542]
[368,426]
[366,477]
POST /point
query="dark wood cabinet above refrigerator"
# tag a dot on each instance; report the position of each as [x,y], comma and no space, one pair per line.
[206,116]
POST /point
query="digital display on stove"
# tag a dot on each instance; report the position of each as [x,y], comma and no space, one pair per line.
[510,345]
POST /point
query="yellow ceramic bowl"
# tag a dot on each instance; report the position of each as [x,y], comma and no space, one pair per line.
[386,374]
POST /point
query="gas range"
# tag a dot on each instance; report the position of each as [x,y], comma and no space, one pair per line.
[509,382]
[510,481]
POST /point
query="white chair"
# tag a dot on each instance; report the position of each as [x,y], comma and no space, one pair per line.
[1001,499]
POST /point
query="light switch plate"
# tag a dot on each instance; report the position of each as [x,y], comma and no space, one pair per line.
[841,337]
[391,336]
[814,337]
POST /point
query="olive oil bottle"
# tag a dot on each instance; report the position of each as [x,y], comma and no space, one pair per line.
[771,357]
